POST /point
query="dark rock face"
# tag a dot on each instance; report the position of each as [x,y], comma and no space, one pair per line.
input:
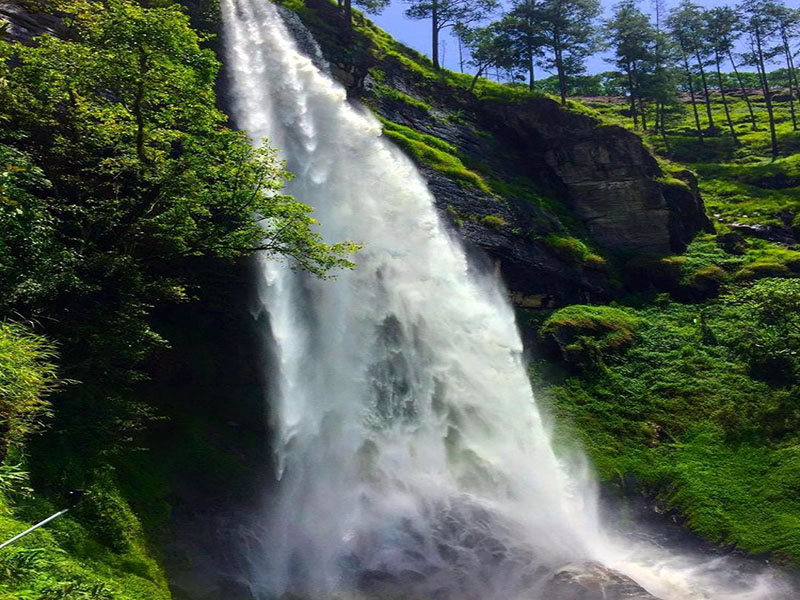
[605,175]
[24,25]
[593,581]
[598,179]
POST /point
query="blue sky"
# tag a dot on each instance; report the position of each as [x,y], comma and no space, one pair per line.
[417,33]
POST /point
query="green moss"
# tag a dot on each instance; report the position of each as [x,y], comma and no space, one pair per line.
[398,96]
[574,250]
[434,153]
[494,221]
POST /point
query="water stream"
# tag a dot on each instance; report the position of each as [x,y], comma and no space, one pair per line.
[412,459]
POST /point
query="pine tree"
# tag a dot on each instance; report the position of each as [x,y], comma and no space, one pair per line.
[448,13]
[760,25]
[633,39]
[788,24]
[721,25]
[688,26]
[521,27]
[567,28]
[685,41]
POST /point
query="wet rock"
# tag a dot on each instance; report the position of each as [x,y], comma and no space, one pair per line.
[773,233]
[732,243]
[25,24]
[593,581]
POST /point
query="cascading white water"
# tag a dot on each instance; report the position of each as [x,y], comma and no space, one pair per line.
[412,458]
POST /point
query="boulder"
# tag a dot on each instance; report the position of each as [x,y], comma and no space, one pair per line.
[592,581]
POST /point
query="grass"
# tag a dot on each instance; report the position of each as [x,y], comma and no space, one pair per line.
[65,559]
[681,408]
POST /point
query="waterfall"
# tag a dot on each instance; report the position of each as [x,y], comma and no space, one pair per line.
[411,456]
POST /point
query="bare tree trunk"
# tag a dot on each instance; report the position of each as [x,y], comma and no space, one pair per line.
[724,99]
[705,90]
[632,92]
[790,68]
[435,33]
[531,79]
[767,96]
[691,95]
[745,95]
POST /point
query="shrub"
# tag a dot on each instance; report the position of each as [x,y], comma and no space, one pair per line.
[27,376]
[759,270]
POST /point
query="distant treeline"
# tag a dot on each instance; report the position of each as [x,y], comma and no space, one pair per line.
[612,83]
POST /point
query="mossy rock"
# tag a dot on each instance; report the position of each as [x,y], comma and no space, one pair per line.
[586,333]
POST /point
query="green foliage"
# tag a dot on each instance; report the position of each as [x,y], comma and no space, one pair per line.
[700,408]
[118,178]
[27,376]
[495,222]
[117,171]
[65,560]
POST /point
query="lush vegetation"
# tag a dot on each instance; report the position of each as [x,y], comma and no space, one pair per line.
[118,177]
[687,389]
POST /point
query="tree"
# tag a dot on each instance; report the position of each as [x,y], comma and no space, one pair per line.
[524,35]
[567,30]
[118,171]
[685,41]
[488,47]
[721,23]
[633,39]
[688,27]
[760,25]
[788,25]
[448,13]
[372,7]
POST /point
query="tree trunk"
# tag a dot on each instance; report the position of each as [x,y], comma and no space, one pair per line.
[531,78]
[435,33]
[705,90]
[562,82]
[348,13]
[475,79]
[745,95]
[632,92]
[691,95]
[724,99]
[790,68]
[767,97]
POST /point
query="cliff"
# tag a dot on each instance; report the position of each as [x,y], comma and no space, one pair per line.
[556,196]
